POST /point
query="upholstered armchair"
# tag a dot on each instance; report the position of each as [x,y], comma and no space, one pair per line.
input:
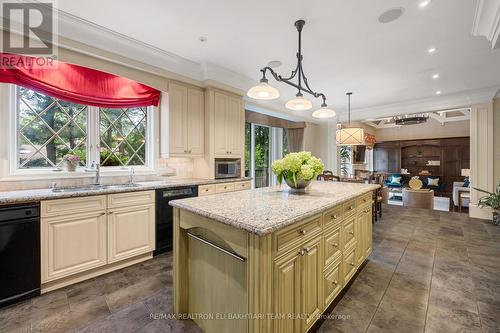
[395,180]
[459,186]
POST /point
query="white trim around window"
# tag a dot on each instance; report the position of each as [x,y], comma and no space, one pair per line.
[11,129]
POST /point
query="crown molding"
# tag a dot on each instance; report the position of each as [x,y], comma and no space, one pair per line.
[435,103]
[487,21]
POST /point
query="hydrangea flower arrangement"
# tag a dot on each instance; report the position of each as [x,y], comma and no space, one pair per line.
[295,167]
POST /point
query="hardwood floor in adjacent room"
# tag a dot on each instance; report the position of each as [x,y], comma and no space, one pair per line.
[429,271]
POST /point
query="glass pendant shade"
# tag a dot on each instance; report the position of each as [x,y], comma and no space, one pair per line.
[324,113]
[299,103]
[351,136]
[263,91]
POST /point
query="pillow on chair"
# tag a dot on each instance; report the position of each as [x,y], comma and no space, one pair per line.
[396,180]
[432,181]
[466,182]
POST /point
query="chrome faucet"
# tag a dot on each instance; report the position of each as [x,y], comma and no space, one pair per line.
[131,176]
[96,167]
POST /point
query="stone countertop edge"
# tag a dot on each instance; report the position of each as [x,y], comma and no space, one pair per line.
[272,228]
[35,195]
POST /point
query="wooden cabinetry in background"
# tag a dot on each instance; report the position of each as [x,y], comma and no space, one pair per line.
[452,153]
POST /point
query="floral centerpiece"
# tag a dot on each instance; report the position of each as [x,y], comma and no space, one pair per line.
[72,162]
[298,169]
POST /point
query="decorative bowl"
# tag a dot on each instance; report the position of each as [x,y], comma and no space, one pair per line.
[301,184]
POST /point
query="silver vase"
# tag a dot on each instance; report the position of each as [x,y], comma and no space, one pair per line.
[299,187]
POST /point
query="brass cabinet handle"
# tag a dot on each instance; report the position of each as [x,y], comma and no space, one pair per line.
[335,282]
[110,212]
[351,207]
[334,216]
[351,263]
[307,249]
[335,245]
[351,232]
[301,252]
[302,232]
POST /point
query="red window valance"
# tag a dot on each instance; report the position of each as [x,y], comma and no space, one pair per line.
[75,83]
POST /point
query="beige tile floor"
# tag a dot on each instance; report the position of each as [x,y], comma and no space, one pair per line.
[430,271]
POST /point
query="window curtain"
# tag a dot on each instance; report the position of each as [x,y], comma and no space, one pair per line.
[295,137]
[75,83]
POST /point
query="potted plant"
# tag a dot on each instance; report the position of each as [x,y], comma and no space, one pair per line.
[491,200]
[72,162]
[298,169]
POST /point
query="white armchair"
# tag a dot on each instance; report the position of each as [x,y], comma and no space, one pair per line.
[459,186]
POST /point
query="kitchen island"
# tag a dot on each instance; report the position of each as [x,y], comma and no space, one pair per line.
[268,260]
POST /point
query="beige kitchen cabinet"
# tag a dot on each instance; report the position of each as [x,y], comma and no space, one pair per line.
[186,120]
[297,271]
[72,244]
[228,125]
[88,236]
[332,282]
[223,187]
[131,231]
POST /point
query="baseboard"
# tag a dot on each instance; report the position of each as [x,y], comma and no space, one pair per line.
[479,213]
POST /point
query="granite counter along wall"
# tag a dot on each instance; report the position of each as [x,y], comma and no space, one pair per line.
[173,168]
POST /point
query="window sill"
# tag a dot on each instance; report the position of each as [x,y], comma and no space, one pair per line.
[53,175]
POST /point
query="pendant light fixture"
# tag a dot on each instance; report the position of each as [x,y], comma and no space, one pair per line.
[350,136]
[265,92]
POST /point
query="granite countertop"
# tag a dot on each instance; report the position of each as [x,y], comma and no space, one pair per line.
[265,210]
[12,197]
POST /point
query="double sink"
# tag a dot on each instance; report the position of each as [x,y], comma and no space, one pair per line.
[92,187]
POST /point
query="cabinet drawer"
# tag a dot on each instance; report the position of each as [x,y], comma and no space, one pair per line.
[333,216]
[332,282]
[332,245]
[71,206]
[131,199]
[242,186]
[224,187]
[349,207]
[364,199]
[348,232]
[349,264]
[206,190]
[289,238]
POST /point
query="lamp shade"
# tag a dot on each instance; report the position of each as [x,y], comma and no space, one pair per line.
[465,172]
[299,103]
[324,113]
[351,136]
[263,91]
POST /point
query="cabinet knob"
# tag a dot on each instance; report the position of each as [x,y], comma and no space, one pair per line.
[302,232]
[206,190]
[334,216]
[307,249]
[351,263]
[335,245]
[301,253]
[351,207]
[335,282]
[351,232]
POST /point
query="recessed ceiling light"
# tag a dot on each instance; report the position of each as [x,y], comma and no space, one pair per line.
[202,39]
[438,92]
[391,15]
[424,3]
[432,50]
[274,63]
[435,76]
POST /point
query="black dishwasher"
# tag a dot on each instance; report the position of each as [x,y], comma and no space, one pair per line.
[19,253]
[165,216]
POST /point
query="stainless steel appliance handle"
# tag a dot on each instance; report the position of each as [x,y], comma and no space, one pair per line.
[234,255]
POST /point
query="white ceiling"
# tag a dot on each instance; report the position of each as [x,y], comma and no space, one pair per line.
[345,48]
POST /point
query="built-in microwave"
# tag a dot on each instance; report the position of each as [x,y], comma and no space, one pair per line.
[227,168]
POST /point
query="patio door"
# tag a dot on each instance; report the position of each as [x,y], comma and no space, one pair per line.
[258,154]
